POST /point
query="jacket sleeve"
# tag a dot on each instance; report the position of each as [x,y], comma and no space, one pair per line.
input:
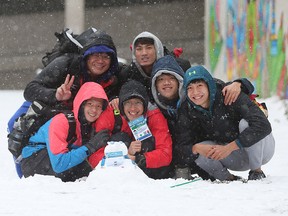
[44,85]
[107,121]
[96,157]
[259,126]
[246,85]
[61,157]
[162,155]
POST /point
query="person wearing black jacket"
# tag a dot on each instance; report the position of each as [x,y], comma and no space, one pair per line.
[146,50]
[219,137]
[60,80]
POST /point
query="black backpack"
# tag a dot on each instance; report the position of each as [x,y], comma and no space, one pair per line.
[67,42]
[28,124]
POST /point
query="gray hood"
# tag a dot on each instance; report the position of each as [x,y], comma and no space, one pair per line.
[167,65]
[157,43]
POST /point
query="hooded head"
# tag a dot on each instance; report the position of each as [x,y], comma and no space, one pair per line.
[100,42]
[133,89]
[166,65]
[150,38]
[200,73]
[87,91]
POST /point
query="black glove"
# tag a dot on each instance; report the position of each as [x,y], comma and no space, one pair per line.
[97,141]
[140,160]
[148,144]
[121,136]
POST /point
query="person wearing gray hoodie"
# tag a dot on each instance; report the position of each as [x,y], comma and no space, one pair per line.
[146,49]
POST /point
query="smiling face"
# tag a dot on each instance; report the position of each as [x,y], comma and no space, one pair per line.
[92,109]
[98,63]
[167,85]
[198,93]
[133,108]
[145,55]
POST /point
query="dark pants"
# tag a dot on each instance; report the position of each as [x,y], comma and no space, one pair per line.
[158,173]
[39,163]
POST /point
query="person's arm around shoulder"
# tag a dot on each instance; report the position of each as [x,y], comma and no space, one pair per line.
[232,90]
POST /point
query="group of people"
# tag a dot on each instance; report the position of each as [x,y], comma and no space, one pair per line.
[198,124]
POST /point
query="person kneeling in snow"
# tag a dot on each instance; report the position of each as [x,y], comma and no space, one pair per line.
[153,154]
[49,152]
[219,137]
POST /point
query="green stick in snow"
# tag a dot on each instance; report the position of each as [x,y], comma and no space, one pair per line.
[194,180]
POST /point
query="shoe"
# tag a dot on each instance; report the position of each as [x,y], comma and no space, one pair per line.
[183,172]
[234,178]
[201,173]
[256,175]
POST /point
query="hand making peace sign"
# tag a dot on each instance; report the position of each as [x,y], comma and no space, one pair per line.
[64,91]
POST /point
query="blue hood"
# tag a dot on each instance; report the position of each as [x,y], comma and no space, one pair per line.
[167,65]
[199,72]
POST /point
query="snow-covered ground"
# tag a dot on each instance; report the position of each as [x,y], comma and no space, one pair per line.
[127,191]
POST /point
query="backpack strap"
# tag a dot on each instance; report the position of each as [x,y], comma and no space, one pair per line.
[72,127]
[262,105]
[118,122]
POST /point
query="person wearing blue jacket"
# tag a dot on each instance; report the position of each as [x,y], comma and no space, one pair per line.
[57,84]
[50,153]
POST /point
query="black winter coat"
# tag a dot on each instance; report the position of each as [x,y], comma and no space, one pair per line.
[221,125]
[132,72]
[43,87]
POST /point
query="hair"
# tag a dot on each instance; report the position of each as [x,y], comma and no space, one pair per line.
[144,40]
[197,81]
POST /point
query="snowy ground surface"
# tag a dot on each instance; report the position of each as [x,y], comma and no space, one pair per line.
[127,191]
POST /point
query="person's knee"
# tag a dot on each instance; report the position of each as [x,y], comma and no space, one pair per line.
[243,124]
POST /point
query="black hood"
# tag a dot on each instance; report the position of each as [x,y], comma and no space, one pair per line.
[100,38]
[133,89]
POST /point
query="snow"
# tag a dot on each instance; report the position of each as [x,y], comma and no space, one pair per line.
[125,191]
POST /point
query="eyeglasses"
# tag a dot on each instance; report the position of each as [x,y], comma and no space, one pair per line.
[100,56]
[130,104]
